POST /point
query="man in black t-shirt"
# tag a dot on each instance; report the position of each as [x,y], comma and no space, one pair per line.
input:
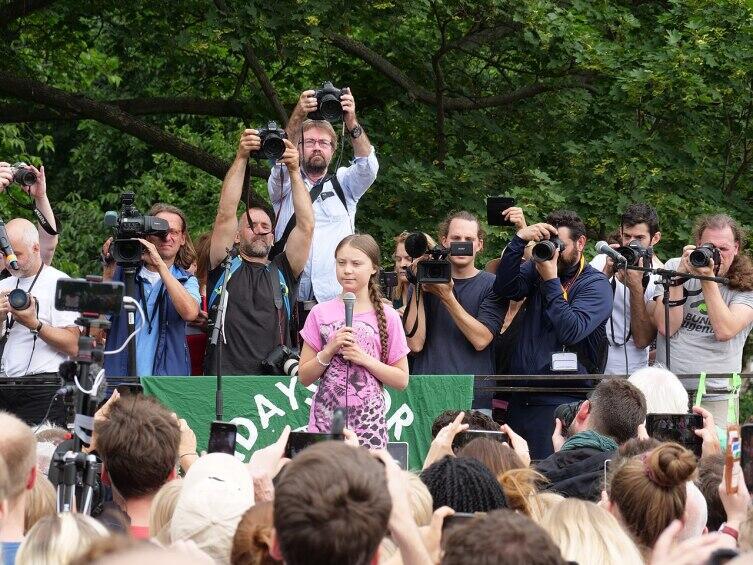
[261,294]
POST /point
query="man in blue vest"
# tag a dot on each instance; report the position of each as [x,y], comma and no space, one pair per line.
[169,297]
[261,293]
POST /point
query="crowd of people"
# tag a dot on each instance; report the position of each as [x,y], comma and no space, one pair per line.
[592,487]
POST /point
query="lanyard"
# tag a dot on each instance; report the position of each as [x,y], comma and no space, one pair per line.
[12,320]
[150,319]
[567,286]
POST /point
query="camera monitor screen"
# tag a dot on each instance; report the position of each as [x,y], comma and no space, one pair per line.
[80,295]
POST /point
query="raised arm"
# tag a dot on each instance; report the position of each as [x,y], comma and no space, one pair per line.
[306,103]
[299,243]
[226,222]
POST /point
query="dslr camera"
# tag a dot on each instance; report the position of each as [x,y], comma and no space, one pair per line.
[272,142]
[127,226]
[22,174]
[634,251]
[436,270]
[700,256]
[544,250]
[19,299]
[328,106]
[281,361]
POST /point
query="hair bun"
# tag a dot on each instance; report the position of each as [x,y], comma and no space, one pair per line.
[670,465]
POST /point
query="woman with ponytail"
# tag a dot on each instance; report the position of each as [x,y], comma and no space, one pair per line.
[648,492]
[353,363]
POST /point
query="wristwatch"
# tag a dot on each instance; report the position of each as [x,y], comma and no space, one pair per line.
[36,330]
[356,131]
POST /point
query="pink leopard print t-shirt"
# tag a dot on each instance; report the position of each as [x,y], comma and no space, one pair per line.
[365,400]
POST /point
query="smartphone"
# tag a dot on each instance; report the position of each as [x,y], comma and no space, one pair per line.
[387,281]
[495,205]
[465,437]
[459,518]
[222,438]
[130,389]
[732,456]
[298,441]
[398,450]
[81,295]
[679,428]
[746,456]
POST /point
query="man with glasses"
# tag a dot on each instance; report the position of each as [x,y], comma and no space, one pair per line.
[334,196]
[169,297]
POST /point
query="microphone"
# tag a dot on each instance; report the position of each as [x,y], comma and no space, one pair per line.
[350,300]
[7,250]
[603,247]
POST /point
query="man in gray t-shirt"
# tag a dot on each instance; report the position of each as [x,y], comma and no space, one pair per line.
[709,330]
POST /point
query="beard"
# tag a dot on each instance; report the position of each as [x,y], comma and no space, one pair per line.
[257,248]
[564,263]
[316,164]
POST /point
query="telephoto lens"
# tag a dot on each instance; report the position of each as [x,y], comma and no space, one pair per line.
[19,299]
[544,250]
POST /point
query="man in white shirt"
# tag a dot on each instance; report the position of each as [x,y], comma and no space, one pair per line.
[631,329]
[37,337]
[335,207]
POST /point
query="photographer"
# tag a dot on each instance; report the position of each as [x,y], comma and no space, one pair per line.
[169,296]
[38,191]
[254,326]
[631,328]
[37,337]
[710,324]
[339,193]
[457,321]
[568,304]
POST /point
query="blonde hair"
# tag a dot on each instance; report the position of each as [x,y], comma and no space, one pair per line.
[589,535]
[40,503]
[162,509]
[542,503]
[520,488]
[59,539]
[19,450]
[420,500]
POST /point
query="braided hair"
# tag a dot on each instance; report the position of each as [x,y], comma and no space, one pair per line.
[365,243]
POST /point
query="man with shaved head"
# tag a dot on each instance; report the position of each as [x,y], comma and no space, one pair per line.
[36,336]
[261,293]
[18,452]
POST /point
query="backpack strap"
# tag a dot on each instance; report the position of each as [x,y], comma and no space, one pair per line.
[217,290]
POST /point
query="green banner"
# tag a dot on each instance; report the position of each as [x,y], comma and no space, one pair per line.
[262,406]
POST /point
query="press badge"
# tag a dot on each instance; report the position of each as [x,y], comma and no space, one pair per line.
[564,361]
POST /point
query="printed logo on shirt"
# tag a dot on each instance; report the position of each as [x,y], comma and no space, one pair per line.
[698,322]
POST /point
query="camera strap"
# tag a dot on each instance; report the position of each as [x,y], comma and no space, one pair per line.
[566,286]
[43,221]
[149,319]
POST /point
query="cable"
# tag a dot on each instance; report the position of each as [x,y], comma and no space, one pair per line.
[625,336]
[137,330]
[44,419]
[95,385]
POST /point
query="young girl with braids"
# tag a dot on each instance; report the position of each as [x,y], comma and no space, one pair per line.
[355,361]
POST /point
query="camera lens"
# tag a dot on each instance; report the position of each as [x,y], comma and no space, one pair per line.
[19,299]
[273,147]
[25,177]
[700,257]
[543,251]
[126,250]
[330,108]
[630,254]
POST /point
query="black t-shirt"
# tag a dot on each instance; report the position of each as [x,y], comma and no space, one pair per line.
[252,329]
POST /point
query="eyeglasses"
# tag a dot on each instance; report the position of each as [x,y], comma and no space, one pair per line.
[323,143]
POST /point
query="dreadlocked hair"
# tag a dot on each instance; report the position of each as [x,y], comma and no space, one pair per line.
[368,245]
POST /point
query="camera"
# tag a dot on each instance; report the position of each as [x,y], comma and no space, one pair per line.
[22,174]
[544,250]
[700,256]
[272,141]
[128,225]
[328,106]
[438,268]
[19,299]
[566,413]
[634,251]
[387,281]
[282,361]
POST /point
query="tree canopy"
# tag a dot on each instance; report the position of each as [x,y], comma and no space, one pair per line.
[581,104]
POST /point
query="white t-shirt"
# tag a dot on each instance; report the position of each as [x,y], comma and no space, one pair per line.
[637,358]
[18,355]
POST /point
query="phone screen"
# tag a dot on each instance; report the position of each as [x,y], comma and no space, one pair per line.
[458,519]
[746,459]
[222,438]
[467,436]
[298,441]
[679,428]
[398,450]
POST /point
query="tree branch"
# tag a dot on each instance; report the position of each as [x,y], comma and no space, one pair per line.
[425,96]
[17,9]
[113,116]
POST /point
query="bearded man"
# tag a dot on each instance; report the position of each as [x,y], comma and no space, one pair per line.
[261,293]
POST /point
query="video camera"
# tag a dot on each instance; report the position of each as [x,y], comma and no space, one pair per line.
[328,106]
[634,252]
[128,225]
[272,142]
[437,269]
[700,256]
